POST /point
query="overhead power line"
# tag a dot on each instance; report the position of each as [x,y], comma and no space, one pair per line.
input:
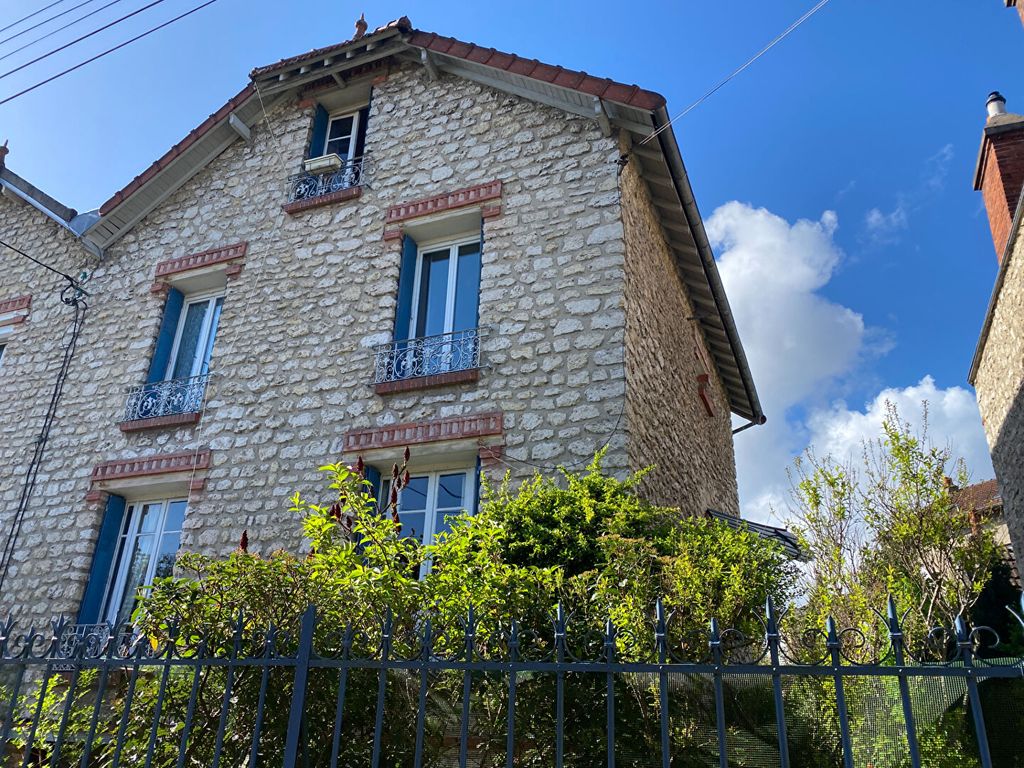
[59,29]
[778,39]
[34,13]
[74,283]
[81,64]
[77,40]
[38,24]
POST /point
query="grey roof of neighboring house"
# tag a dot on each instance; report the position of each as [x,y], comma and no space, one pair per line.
[31,194]
[787,539]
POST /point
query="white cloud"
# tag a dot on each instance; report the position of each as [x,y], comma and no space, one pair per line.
[884,227]
[953,420]
[802,347]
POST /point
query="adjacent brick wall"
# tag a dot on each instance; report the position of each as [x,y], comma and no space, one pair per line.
[1002,181]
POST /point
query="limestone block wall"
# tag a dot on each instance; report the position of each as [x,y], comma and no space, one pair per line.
[34,349]
[668,424]
[1000,388]
[293,359]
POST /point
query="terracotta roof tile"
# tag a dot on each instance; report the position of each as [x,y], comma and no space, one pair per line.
[630,95]
[980,496]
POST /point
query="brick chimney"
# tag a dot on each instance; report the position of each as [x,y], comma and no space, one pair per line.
[1000,170]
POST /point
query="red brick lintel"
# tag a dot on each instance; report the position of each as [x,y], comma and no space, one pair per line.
[185,461]
[412,433]
[315,202]
[426,382]
[203,259]
[460,198]
[16,304]
[177,419]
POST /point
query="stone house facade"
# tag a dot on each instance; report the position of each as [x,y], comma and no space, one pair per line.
[400,240]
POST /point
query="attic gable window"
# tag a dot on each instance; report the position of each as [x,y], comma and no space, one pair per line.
[335,166]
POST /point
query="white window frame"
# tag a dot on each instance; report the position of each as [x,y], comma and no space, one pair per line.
[127,537]
[430,519]
[204,332]
[453,266]
[352,138]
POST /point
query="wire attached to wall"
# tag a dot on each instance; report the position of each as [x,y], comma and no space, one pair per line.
[74,297]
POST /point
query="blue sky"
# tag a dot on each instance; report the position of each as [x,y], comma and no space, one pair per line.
[864,125]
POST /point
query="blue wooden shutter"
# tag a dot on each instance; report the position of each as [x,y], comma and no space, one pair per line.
[360,147]
[316,142]
[476,488]
[165,339]
[102,561]
[373,475]
[406,279]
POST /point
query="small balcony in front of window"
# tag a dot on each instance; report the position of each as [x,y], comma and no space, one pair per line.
[165,403]
[326,179]
[429,361]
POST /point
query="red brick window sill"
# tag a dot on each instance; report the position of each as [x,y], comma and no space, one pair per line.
[329,199]
[427,382]
[176,420]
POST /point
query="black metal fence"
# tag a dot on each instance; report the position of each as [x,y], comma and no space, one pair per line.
[405,692]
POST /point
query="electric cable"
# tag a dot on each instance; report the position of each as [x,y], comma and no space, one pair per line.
[38,24]
[72,298]
[77,40]
[34,13]
[778,39]
[69,70]
[59,29]
[73,283]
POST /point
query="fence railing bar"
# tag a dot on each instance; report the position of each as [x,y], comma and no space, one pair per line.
[190,710]
[421,712]
[609,655]
[157,712]
[291,746]
[716,655]
[896,639]
[69,701]
[225,706]
[94,718]
[510,728]
[774,640]
[661,640]
[43,688]
[965,643]
[832,640]
[560,630]
[382,685]
[122,729]
[12,706]
[257,728]
[467,682]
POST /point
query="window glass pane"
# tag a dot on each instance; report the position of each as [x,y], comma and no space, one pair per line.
[433,296]
[467,288]
[340,126]
[450,490]
[189,340]
[2,348]
[338,147]
[413,524]
[414,495]
[169,544]
[175,515]
[150,517]
[137,567]
[214,322]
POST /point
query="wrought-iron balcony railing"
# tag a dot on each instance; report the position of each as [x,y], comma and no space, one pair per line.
[428,356]
[309,185]
[166,398]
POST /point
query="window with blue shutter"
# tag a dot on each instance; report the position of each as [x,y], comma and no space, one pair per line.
[165,338]
[102,561]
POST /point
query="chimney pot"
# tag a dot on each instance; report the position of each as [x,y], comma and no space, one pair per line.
[996,104]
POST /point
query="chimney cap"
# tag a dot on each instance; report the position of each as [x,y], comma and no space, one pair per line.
[361,26]
[995,104]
